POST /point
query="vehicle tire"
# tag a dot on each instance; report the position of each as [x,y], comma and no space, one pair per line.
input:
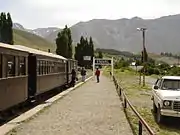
[154,108]
[159,117]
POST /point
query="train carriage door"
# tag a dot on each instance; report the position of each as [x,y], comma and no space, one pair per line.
[32,75]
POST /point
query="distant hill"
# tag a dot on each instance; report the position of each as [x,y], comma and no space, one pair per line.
[115,52]
[162,35]
[43,32]
[168,60]
[32,40]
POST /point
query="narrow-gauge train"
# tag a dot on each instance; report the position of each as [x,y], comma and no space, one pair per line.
[27,73]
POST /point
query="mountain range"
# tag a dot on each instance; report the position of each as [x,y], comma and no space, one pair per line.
[162,34]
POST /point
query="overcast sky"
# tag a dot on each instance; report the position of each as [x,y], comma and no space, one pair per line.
[58,13]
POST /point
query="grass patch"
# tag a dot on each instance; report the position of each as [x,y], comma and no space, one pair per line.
[140,97]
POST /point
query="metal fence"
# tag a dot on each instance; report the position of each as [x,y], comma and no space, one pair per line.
[126,101]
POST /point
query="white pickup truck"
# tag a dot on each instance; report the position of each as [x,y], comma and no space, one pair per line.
[166,97]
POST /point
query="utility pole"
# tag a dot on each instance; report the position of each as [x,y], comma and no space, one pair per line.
[143,59]
[144,62]
[140,78]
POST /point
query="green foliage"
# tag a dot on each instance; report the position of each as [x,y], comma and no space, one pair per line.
[115,52]
[161,69]
[6,31]
[174,71]
[64,43]
[100,55]
[151,70]
[84,48]
[121,63]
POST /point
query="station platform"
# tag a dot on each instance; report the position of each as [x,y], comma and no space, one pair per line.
[91,109]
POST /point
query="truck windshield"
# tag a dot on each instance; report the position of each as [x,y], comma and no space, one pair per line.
[171,84]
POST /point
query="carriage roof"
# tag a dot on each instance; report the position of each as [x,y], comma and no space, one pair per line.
[12,47]
[39,52]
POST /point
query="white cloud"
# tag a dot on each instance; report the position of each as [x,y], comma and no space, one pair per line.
[43,13]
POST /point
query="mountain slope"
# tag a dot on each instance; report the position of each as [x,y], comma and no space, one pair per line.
[32,40]
[44,32]
[162,35]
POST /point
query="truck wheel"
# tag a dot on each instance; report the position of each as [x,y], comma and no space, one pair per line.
[159,117]
[154,108]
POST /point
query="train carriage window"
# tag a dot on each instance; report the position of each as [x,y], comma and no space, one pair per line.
[59,67]
[10,65]
[55,67]
[41,67]
[52,67]
[62,68]
[49,66]
[46,67]
[22,67]
[0,65]
[38,67]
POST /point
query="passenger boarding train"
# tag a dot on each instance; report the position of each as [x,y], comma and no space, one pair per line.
[27,72]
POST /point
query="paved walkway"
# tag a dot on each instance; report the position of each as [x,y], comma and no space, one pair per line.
[92,109]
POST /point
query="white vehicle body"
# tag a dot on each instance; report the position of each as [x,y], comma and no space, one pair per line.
[166,97]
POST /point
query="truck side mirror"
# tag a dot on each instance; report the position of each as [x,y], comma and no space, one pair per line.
[156,87]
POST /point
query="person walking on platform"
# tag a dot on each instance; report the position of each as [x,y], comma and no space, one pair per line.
[97,74]
[83,74]
[73,78]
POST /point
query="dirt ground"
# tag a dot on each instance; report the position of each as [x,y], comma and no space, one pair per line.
[93,109]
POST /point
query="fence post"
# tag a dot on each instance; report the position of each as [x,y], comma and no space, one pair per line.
[120,91]
[125,103]
[140,128]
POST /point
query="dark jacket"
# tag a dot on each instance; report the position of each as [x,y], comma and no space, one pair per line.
[73,73]
[83,72]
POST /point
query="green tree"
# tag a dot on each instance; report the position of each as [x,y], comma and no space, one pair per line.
[100,55]
[79,51]
[64,43]
[9,29]
[3,28]
[91,44]
[6,32]
[84,48]
[67,32]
